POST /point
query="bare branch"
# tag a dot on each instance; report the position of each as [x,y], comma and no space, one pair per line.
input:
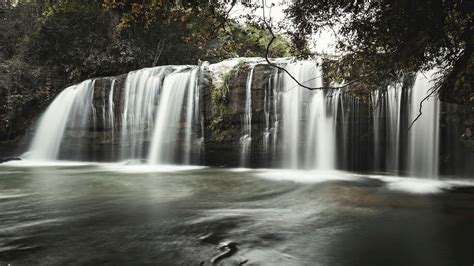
[420,113]
[286,71]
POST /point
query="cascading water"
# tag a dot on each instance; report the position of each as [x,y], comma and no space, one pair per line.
[291,103]
[246,138]
[176,87]
[71,108]
[142,91]
[423,150]
[421,142]
[394,98]
[387,114]
[305,118]
[310,125]
[153,100]
[111,113]
[320,147]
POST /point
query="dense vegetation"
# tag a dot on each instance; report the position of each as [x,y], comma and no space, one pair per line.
[48,45]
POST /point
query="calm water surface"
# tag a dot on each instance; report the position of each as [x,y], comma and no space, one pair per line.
[74,214]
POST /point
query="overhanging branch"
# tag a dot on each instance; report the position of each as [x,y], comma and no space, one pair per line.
[267,52]
[420,113]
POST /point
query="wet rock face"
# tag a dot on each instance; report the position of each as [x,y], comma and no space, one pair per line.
[102,93]
[222,138]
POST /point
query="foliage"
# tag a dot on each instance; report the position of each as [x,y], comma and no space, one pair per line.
[64,40]
[219,100]
[201,28]
[15,23]
[249,40]
[380,40]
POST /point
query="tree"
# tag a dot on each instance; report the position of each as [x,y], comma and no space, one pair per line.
[382,39]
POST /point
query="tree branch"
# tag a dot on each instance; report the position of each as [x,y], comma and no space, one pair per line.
[420,113]
[223,22]
[286,71]
[159,50]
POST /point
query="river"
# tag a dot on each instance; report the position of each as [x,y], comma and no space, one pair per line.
[116,214]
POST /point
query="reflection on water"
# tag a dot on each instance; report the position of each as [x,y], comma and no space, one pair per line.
[133,214]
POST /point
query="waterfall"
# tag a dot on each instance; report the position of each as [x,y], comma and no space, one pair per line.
[390,136]
[142,91]
[376,101]
[246,138]
[156,114]
[310,125]
[266,114]
[189,117]
[71,108]
[394,98]
[291,103]
[153,100]
[198,114]
[320,144]
[111,116]
[387,113]
[176,87]
[423,149]
[276,110]
[306,118]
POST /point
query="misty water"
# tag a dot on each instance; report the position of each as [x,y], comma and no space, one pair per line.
[80,213]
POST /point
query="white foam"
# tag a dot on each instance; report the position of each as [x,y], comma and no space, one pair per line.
[134,166]
[395,183]
[306,176]
[239,170]
[147,168]
[418,186]
[40,163]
